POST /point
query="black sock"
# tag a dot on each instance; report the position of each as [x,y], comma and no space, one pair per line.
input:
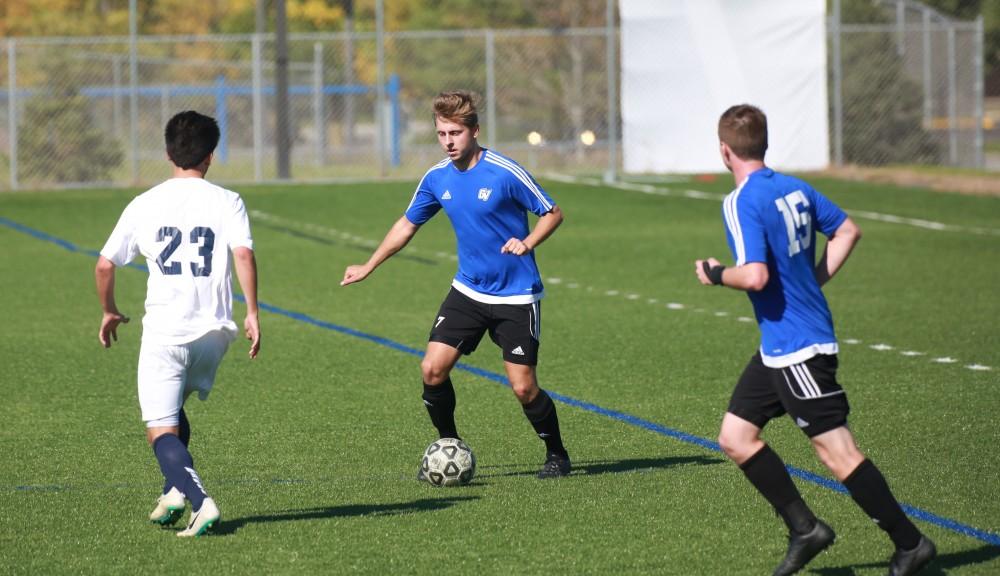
[870,490]
[767,473]
[178,468]
[541,412]
[440,403]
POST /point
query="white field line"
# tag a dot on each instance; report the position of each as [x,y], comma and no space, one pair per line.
[699,195]
[659,303]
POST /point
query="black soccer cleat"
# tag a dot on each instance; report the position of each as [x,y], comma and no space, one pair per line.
[804,547]
[907,562]
[555,466]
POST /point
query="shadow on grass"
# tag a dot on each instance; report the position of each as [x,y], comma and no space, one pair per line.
[938,567]
[589,467]
[231,525]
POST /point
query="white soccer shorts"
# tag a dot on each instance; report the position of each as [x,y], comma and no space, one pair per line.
[169,374]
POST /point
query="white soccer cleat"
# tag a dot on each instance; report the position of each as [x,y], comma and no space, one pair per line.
[202,520]
[169,508]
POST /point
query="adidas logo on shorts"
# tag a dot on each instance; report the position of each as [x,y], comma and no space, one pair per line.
[517,351]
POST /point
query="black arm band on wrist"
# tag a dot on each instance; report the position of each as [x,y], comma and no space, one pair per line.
[714,273]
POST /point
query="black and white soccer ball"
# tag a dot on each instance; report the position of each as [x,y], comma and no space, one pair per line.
[448,462]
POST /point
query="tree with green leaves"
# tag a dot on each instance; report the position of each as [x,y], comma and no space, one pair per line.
[63,144]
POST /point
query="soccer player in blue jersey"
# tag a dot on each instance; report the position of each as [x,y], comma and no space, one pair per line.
[497,288]
[771,221]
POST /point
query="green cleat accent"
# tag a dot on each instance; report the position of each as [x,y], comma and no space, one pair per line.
[203,520]
[169,508]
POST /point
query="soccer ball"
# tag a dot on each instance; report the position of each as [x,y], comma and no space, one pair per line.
[448,462]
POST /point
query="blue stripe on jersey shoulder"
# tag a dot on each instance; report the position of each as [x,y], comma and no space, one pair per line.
[519,173]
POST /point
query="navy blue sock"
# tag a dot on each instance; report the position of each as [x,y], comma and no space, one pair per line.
[185,429]
[178,468]
[185,435]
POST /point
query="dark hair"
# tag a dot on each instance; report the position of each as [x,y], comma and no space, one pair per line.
[190,137]
[458,106]
[744,129]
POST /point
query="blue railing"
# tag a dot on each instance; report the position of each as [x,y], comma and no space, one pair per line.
[221,90]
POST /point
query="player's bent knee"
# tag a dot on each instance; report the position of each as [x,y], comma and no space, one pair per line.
[433,374]
[525,393]
[737,447]
[840,462]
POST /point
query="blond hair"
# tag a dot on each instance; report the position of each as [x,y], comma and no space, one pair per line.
[458,106]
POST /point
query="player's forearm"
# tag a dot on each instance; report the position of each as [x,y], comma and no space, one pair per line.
[544,228]
[838,249]
[104,275]
[246,272]
[395,240]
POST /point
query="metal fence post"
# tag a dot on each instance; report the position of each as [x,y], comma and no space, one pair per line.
[12,108]
[900,27]
[491,90]
[928,96]
[838,97]
[258,111]
[222,117]
[978,88]
[319,115]
[952,100]
[380,88]
[164,104]
[611,175]
[116,100]
[133,93]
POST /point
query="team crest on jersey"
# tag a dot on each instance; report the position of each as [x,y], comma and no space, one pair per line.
[446,195]
[484,194]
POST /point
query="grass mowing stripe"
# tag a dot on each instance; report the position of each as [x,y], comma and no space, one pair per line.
[701,195]
[305,230]
[918,513]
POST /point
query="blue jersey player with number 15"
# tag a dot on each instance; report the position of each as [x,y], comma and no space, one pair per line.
[771,222]
[497,288]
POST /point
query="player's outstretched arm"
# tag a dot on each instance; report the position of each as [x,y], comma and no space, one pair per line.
[750,277]
[104,274]
[246,272]
[397,237]
[544,228]
[837,250]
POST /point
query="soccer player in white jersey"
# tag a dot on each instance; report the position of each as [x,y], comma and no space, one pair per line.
[771,221]
[185,228]
[497,288]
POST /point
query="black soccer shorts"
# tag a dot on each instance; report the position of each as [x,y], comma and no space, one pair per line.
[808,392]
[515,328]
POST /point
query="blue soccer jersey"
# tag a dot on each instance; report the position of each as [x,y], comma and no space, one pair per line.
[488,205]
[773,218]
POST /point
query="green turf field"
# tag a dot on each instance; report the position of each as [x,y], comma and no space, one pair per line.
[311,449]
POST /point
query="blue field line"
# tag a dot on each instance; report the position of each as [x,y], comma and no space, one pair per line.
[914,512]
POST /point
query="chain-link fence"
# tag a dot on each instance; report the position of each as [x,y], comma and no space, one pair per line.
[74,115]
[905,87]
